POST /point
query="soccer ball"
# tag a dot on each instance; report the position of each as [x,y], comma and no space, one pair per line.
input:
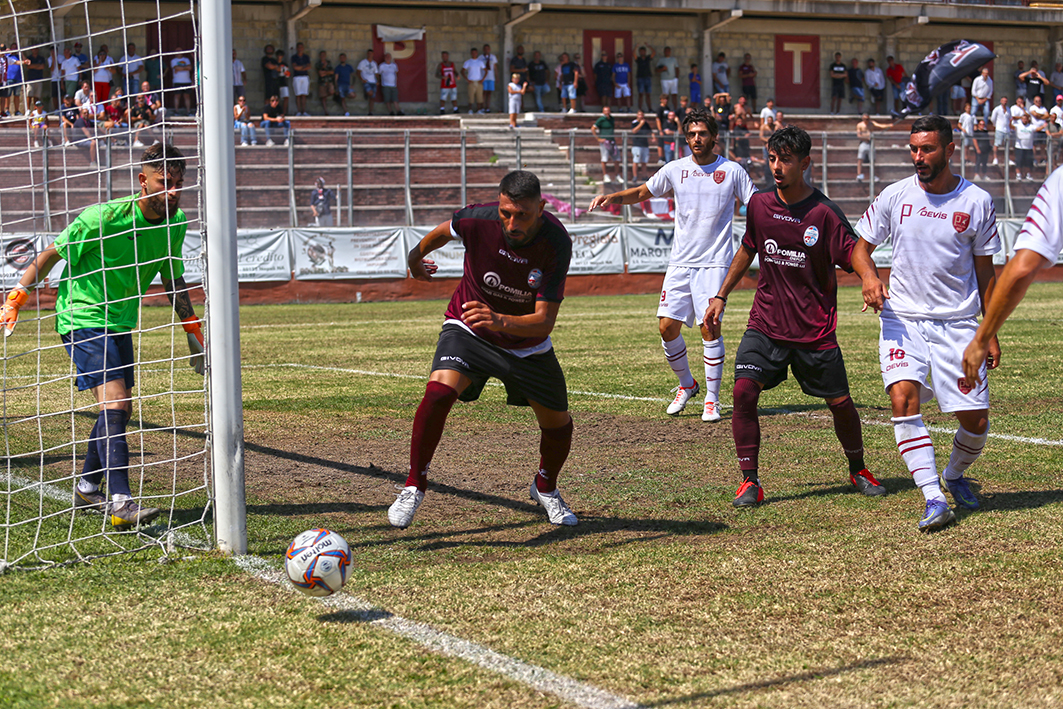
[317,562]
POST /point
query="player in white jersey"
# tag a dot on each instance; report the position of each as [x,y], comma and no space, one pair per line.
[705,187]
[1038,246]
[944,236]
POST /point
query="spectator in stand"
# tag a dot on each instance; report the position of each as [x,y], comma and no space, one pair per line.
[154,101]
[897,78]
[344,71]
[490,74]
[116,122]
[367,70]
[722,110]
[662,122]
[447,74]
[301,78]
[1019,76]
[876,84]
[721,75]
[767,128]
[273,119]
[84,128]
[84,95]
[581,82]
[981,150]
[768,111]
[569,77]
[34,76]
[668,68]
[1025,133]
[1039,119]
[141,118]
[101,75]
[670,133]
[69,67]
[622,81]
[519,65]
[959,97]
[14,78]
[603,79]
[741,110]
[321,199]
[604,129]
[982,94]
[1056,81]
[239,77]
[68,116]
[748,74]
[85,72]
[780,120]
[181,78]
[694,77]
[539,75]
[1054,130]
[644,74]
[1001,120]
[56,76]
[389,84]
[473,71]
[641,132]
[966,126]
[863,151]
[684,107]
[515,88]
[1035,82]
[38,122]
[131,67]
[284,75]
[839,74]
[1018,109]
[243,123]
[1056,112]
[269,71]
[856,84]
[326,80]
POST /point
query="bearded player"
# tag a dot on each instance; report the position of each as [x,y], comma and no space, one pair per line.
[498,324]
[113,252]
[705,187]
[800,237]
[944,232]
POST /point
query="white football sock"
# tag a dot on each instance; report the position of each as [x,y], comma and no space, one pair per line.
[713,350]
[966,447]
[917,450]
[120,498]
[85,486]
[676,352]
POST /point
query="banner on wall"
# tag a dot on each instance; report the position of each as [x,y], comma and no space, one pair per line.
[649,247]
[328,254]
[18,251]
[408,48]
[450,260]
[261,255]
[797,71]
[595,249]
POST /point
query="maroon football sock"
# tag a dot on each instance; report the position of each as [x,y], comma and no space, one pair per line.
[554,445]
[847,428]
[427,429]
[745,426]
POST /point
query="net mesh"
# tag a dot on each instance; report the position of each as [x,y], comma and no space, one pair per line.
[56,160]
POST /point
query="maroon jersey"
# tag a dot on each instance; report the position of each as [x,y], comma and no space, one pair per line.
[508,280]
[799,245]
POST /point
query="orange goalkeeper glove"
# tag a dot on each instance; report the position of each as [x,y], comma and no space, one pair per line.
[15,300]
[194,333]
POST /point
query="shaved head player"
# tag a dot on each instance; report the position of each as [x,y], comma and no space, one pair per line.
[800,237]
[705,187]
[498,324]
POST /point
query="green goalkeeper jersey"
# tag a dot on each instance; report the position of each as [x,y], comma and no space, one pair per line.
[112,255]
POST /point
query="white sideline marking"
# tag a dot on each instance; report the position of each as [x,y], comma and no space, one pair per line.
[538,678]
[603,395]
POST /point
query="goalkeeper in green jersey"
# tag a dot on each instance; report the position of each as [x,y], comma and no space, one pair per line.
[113,251]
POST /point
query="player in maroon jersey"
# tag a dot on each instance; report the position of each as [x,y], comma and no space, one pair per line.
[800,236]
[498,324]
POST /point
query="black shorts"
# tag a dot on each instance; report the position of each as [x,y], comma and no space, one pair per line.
[536,378]
[1023,158]
[837,90]
[821,373]
[877,94]
[750,91]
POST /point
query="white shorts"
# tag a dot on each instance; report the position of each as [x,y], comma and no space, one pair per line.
[862,151]
[301,84]
[515,102]
[622,90]
[669,86]
[641,155]
[911,349]
[448,94]
[686,292]
[282,92]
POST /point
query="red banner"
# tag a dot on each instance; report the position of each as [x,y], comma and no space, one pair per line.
[797,71]
[412,58]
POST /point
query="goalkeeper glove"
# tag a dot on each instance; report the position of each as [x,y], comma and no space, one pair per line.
[15,300]
[194,333]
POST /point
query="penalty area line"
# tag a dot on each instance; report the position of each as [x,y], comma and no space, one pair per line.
[538,678]
[602,395]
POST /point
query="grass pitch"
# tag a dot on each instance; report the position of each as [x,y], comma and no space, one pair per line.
[663,594]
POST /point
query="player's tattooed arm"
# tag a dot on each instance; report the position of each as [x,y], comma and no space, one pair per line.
[874,290]
[421,268]
[177,293]
[740,264]
[629,196]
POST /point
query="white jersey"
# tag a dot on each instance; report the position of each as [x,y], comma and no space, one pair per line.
[704,208]
[967,124]
[1042,231]
[935,240]
[1001,119]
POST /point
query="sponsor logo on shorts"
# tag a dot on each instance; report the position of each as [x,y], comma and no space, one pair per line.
[963,386]
[811,236]
[960,222]
[783,257]
[719,176]
[535,278]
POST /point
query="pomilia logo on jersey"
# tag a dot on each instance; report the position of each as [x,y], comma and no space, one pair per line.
[811,236]
[960,221]
[719,176]
[535,278]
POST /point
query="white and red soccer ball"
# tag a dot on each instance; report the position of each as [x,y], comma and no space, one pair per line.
[317,562]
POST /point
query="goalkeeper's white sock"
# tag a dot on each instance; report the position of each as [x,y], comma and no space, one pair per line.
[85,486]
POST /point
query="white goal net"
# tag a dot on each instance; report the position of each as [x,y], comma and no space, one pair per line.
[57,158]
